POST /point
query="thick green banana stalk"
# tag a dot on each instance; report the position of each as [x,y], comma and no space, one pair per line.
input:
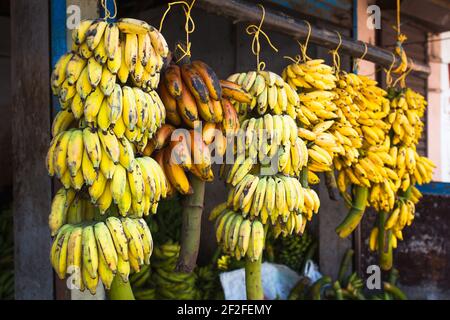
[355,214]
[384,243]
[304,177]
[394,290]
[299,290]
[345,264]
[330,183]
[338,291]
[120,290]
[253,281]
[191,226]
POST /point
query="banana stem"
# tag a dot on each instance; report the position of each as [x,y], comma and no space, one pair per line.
[355,214]
[304,177]
[253,280]
[120,290]
[331,184]
[345,264]
[407,193]
[191,226]
[384,243]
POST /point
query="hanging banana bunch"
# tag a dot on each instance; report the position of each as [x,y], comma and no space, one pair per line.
[128,50]
[318,114]
[193,98]
[269,94]
[407,167]
[109,111]
[94,250]
[411,169]
[269,156]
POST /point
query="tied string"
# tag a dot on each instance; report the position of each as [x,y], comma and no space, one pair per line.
[189,26]
[401,38]
[303,48]
[402,78]
[108,15]
[356,62]
[388,72]
[335,55]
[295,59]
[256,30]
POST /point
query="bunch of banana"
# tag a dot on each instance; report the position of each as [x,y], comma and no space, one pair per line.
[70,207]
[208,283]
[191,92]
[238,236]
[310,74]
[292,251]
[223,263]
[267,138]
[93,251]
[268,92]
[141,284]
[344,128]
[128,48]
[388,165]
[295,224]
[367,152]
[126,112]
[318,113]
[186,150]
[168,283]
[314,81]
[407,109]
[276,197]
[135,192]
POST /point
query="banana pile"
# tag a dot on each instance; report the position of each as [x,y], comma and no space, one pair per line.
[104,52]
[91,251]
[141,284]
[293,251]
[238,236]
[268,92]
[168,283]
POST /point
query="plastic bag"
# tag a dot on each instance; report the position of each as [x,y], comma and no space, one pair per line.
[277,281]
[312,271]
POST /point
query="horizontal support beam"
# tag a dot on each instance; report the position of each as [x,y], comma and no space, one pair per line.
[241,11]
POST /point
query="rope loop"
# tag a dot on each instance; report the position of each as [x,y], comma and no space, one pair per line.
[189,26]
[104,4]
[256,30]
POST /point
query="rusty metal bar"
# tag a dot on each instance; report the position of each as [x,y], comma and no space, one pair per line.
[241,11]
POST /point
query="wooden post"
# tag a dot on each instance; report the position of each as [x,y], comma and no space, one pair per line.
[30,91]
